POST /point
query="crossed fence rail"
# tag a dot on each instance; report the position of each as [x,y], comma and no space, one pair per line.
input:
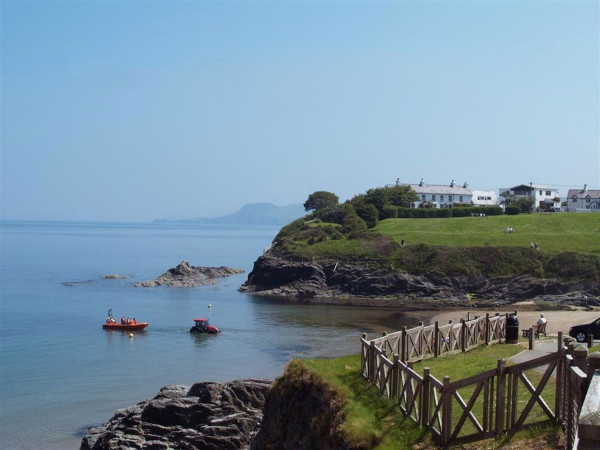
[483,405]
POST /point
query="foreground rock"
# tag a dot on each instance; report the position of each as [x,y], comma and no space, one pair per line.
[185,275]
[217,416]
[280,277]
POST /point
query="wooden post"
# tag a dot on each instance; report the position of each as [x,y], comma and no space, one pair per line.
[531,334]
[420,341]
[363,359]
[468,316]
[383,333]
[560,382]
[450,334]
[436,340]
[403,352]
[590,340]
[487,328]
[395,374]
[446,430]
[372,362]
[463,339]
[425,393]
[500,397]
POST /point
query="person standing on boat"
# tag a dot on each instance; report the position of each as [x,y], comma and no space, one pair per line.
[122,320]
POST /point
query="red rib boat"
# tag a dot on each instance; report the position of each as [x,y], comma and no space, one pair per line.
[129,325]
[125,327]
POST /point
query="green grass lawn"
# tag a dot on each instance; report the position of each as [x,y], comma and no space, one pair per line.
[554,232]
[374,422]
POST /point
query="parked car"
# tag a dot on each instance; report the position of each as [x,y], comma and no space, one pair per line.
[580,332]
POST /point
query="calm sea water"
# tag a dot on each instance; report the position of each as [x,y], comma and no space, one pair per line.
[61,372]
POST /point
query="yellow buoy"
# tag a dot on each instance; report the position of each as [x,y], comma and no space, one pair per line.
[131,335]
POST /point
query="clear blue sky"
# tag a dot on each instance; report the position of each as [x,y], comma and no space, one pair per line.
[131,111]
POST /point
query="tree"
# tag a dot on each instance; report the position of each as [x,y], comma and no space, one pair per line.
[525,203]
[509,198]
[368,213]
[377,197]
[321,199]
[402,195]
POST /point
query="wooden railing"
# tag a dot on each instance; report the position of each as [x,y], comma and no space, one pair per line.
[483,405]
[423,342]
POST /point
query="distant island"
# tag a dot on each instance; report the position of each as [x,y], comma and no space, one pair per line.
[252,214]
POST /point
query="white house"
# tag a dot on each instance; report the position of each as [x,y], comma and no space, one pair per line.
[441,195]
[545,197]
[583,199]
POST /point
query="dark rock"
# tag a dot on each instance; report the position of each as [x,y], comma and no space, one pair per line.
[280,277]
[205,416]
[185,275]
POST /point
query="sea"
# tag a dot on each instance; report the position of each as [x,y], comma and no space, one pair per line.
[61,372]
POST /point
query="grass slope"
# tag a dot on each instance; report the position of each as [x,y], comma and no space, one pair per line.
[373,422]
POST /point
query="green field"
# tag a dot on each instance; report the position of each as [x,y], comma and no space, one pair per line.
[554,232]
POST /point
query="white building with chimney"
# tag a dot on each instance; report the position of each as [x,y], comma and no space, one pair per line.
[440,195]
[545,197]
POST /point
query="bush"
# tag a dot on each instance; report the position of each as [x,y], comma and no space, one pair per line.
[368,213]
[512,210]
[389,212]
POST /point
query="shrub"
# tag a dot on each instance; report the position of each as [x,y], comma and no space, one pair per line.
[512,210]
[368,213]
[389,212]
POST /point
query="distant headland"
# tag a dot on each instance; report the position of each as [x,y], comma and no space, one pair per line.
[252,214]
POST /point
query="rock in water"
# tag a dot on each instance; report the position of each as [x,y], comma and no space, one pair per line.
[206,416]
[185,275]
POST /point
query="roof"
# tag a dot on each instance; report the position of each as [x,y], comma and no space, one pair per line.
[440,189]
[533,186]
[593,193]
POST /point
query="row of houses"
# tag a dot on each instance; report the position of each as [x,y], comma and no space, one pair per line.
[546,198]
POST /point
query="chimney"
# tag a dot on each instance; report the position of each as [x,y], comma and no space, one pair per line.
[452,183]
[397,181]
[421,182]
[585,188]
[465,185]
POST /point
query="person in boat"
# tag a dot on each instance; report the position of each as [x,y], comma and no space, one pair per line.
[133,321]
[122,320]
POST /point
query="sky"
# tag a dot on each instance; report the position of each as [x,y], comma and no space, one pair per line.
[133,111]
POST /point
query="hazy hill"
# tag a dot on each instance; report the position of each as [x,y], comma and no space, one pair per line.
[256,214]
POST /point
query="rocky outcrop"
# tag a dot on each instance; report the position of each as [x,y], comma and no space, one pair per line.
[116,276]
[185,275]
[280,277]
[219,416]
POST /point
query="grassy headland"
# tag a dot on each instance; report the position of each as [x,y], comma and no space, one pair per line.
[569,244]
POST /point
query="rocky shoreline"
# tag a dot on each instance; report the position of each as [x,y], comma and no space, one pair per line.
[212,416]
[185,275]
[338,282]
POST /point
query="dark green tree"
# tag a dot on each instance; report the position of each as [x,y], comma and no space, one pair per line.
[321,199]
[402,195]
[525,203]
[368,213]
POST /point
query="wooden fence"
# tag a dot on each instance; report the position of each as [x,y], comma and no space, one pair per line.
[481,406]
[423,342]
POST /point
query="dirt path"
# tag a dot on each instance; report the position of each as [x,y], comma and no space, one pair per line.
[557,320]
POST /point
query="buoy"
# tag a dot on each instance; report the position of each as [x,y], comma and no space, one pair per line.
[131,335]
[210,305]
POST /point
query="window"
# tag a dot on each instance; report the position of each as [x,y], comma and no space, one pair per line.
[587,199]
[450,198]
[548,193]
[574,199]
[460,198]
[540,192]
[441,198]
[423,197]
[433,197]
